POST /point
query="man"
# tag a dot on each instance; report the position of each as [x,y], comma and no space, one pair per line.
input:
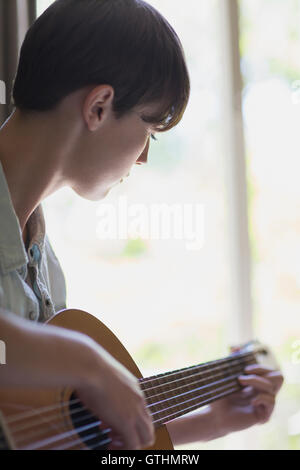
[96,78]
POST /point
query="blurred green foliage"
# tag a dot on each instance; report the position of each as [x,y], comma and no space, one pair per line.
[134,248]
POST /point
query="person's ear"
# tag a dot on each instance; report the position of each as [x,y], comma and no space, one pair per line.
[97,106]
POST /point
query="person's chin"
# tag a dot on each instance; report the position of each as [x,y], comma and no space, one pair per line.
[99,195]
[95,195]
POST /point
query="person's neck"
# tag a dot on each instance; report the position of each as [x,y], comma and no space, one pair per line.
[25,237]
[31,157]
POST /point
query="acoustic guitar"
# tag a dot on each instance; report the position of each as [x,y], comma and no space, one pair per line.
[39,419]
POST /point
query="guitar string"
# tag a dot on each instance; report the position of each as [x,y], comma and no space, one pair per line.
[57,438]
[191,399]
[190,391]
[75,421]
[216,397]
[188,409]
[239,359]
[209,376]
[168,408]
[30,425]
[151,405]
[108,441]
[234,357]
[79,442]
[37,411]
[148,397]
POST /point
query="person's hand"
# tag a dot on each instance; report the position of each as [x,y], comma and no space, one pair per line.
[114,395]
[253,404]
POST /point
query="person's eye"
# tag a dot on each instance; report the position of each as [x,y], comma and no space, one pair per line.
[153,137]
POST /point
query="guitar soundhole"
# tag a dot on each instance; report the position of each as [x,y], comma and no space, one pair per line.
[94,437]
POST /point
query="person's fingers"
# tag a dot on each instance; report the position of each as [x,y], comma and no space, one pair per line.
[275,376]
[245,394]
[247,391]
[139,434]
[130,438]
[116,440]
[257,382]
[124,433]
[257,369]
[263,405]
[146,432]
[263,398]
[145,425]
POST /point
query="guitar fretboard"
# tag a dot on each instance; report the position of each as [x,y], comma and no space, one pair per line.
[173,394]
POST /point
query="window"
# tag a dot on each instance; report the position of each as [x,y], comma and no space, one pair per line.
[270,45]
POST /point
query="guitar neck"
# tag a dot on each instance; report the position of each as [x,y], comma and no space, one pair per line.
[173,394]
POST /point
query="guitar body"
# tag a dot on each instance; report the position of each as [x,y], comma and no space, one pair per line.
[55,428]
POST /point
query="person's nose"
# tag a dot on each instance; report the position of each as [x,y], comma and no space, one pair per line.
[144,156]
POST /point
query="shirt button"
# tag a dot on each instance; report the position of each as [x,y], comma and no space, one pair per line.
[35,253]
[32,315]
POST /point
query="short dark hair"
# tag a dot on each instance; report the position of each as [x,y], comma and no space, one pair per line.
[127,44]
